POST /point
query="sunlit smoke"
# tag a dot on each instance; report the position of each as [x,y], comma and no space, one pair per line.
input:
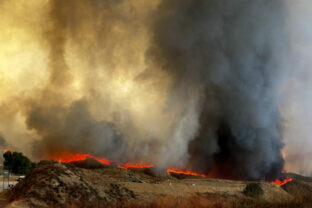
[181,84]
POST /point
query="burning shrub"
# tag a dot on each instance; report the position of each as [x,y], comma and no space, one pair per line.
[253,189]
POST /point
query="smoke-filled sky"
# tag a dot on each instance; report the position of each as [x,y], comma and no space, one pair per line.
[216,86]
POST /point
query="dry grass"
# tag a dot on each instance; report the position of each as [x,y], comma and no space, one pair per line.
[299,189]
[301,200]
[198,202]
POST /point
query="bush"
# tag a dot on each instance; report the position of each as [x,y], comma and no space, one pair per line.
[253,189]
[17,163]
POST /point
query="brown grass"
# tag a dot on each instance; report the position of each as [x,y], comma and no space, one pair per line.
[190,202]
[301,200]
[300,190]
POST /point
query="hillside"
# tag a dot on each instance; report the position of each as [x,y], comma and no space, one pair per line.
[54,184]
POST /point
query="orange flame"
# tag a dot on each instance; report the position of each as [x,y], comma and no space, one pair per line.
[68,157]
[282,182]
[6,150]
[185,172]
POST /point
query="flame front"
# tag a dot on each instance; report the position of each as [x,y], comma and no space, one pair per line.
[185,172]
[69,157]
[280,182]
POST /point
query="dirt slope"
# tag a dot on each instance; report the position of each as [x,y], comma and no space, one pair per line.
[54,184]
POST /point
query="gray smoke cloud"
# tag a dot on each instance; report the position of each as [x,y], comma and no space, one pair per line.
[177,83]
[297,100]
[66,125]
[232,55]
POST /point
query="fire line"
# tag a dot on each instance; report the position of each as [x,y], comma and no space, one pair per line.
[68,158]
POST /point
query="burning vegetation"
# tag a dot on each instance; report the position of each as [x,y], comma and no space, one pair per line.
[72,158]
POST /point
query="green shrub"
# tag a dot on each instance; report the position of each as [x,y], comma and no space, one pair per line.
[17,163]
[253,189]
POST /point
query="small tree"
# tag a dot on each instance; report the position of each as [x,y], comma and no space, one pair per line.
[253,189]
[17,163]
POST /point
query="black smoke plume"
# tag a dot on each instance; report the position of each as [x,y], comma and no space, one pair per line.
[232,53]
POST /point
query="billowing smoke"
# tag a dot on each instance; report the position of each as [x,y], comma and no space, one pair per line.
[297,100]
[177,83]
[232,55]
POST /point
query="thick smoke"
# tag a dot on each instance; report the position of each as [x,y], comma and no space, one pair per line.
[84,106]
[65,123]
[177,83]
[230,54]
[297,100]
